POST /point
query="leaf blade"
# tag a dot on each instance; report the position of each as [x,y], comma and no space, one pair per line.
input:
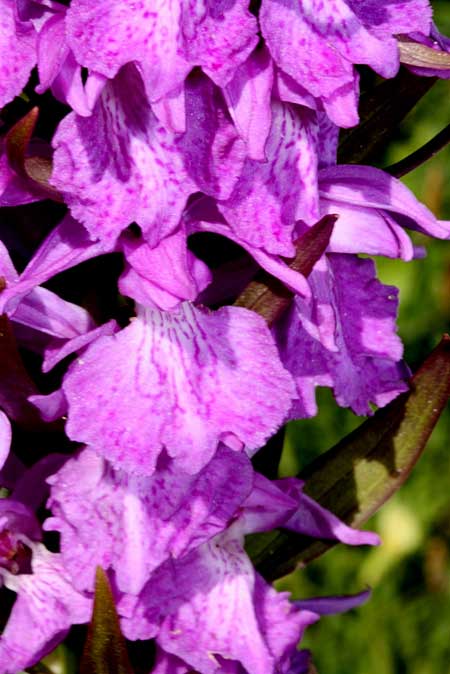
[105,651]
[354,478]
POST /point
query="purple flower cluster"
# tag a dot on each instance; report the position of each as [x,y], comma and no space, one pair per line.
[190,118]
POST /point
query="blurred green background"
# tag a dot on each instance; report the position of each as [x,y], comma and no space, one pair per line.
[405,628]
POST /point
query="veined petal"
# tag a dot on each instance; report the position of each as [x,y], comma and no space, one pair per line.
[140,522]
[248,97]
[121,165]
[17,53]
[182,380]
[370,188]
[217,610]
[286,184]
[165,38]
[46,607]
[344,338]
[162,276]
[317,43]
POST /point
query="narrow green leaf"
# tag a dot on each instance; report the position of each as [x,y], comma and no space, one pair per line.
[381,110]
[105,650]
[422,155]
[354,478]
[266,295]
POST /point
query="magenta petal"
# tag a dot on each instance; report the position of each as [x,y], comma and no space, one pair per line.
[286,184]
[317,43]
[370,188]
[17,53]
[366,230]
[45,609]
[121,164]
[165,39]
[52,406]
[181,380]
[331,605]
[139,522]
[218,612]
[345,338]
[55,352]
[47,313]
[162,276]
[313,520]
[5,438]
[248,97]
[66,246]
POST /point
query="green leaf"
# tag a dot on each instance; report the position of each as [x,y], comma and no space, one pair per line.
[354,478]
[105,650]
[266,295]
[40,668]
[381,110]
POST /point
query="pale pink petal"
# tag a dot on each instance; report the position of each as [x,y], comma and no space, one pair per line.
[181,380]
[286,184]
[17,52]
[121,165]
[140,522]
[248,97]
[164,276]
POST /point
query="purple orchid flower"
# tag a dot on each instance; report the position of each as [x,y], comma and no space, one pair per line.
[318,43]
[181,374]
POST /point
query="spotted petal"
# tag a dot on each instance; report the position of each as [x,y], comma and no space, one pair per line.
[121,165]
[165,38]
[17,53]
[345,338]
[139,522]
[182,380]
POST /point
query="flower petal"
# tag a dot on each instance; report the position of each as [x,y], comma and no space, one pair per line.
[286,184]
[162,276]
[165,39]
[121,165]
[371,188]
[17,53]
[345,338]
[248,97]
[45,609]
[181,380]
[139,522]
